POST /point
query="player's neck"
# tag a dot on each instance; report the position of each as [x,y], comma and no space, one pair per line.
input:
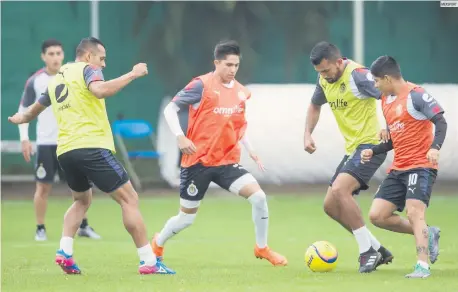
[222,81]
[399,86]
[49,71]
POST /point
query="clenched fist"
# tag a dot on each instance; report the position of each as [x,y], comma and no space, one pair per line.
[140,70]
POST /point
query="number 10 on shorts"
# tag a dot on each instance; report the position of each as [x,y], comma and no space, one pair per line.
[413,177]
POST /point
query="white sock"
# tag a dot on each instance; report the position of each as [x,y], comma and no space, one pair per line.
[374,242]
[423,264]
[363,239]
[146,255]
[66,244]
[174,225]
[260,214]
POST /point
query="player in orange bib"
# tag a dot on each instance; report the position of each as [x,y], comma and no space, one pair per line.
[208,119]
[410,113]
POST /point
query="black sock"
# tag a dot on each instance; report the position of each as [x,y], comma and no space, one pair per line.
[40,226]
[84,224]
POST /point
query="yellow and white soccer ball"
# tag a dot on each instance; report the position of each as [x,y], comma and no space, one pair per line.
[321,257]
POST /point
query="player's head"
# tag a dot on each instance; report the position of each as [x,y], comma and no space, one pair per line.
[227,60]
[386,72]
[92,51]
[328,61]
[52,53]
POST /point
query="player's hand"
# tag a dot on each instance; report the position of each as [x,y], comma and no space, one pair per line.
[384,136]
[186,146]
[26,150]
[433,156]
[309,144]
[258,161]
[140,70]
[366,155]
[17,119]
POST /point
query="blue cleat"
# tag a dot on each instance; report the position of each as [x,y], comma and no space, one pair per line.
[67,263]
[158,268]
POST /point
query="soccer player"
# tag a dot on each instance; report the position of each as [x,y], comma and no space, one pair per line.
[410,113]
[208,119]
[46,165]
[349,90]
[85,148]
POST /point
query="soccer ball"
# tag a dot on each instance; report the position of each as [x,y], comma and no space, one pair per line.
[321,257]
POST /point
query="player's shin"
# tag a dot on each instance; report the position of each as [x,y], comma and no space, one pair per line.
[40,200]
[174,225]
[260,214]
[416,214]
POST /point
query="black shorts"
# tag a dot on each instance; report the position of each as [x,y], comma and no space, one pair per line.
[194,180]
[46,164]
[352,165]
[85,166]
[400,186]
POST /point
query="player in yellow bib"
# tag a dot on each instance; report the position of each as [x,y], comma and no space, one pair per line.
[85,148]
[350,91]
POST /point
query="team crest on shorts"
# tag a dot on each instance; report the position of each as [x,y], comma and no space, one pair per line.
[41,172]
[192,189]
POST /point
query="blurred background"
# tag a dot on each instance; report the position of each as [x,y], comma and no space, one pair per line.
[176,39]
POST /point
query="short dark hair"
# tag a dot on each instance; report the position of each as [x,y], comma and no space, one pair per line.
[324,50]
[50,43]
[386,65]
[225,48]
[86,44]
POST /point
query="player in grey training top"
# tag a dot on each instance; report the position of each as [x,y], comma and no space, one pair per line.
[46,165]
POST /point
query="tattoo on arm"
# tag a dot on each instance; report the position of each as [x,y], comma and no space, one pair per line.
[422,250]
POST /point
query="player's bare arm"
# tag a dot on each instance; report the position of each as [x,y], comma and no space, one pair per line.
[104,89]
[313,115]
[245,141]
[32,111]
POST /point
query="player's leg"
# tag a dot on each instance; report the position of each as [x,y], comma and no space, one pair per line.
[84,230]
[389,198]
[355,176]
[44,177]
[194,182]
[82,197]
[419,184]
[237,180]
[106,172]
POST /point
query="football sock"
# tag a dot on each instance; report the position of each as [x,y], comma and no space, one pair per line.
[174,225]
[260,214]
[146,255]
[84,223]
[66,244]
[40,226]
[423,264]
[363,239]
[374,242]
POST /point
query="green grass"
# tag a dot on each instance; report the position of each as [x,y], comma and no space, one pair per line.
[216,254]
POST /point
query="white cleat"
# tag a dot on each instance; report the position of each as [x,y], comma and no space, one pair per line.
[88,232]
[40,235]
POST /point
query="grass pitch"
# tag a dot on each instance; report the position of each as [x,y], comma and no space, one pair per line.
[216,254]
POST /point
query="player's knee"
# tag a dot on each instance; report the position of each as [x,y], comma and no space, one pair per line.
[376,217]
[126,196]
[259,200]
[43,190]
[338,191]
[186,219]
[415,213]
[245,186]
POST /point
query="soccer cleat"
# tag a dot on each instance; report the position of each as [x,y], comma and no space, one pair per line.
[274,258]
[88,232]
[419,272]
[40,235]
[433,243]
[158,250]
[369,260]
[158,268]
[67,263]
[387,256]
